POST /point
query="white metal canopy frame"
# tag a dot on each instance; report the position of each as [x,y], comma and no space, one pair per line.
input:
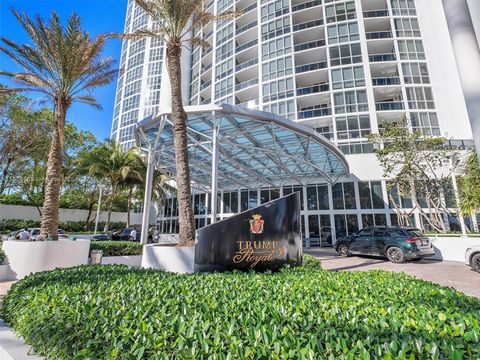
[232,147]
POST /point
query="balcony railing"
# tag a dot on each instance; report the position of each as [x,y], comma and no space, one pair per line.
[306,5]
[248,8]
[246,64]
[309,45]
[312,89]
[206,68]
[375,13]
[382,57]
[306,114]
[307,25]
[389,105]
[246,45]
[311,67]
[247,27]
[385,81]
[246,84]
[205,85]
[206,101]
[379,35]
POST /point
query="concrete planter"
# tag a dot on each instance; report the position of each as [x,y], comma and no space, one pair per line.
[169,257]
[130,260]
[452,248]
[26,257]
[3,272]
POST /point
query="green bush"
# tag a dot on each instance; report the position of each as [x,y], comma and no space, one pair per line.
[117,248]
[2,254]
[10,225]
[117,312]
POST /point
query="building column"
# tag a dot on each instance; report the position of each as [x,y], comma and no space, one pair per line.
[213,196]
[148,196]
[467,56]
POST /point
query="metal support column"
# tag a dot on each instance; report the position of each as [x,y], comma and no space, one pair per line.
[213,196]
[148,196]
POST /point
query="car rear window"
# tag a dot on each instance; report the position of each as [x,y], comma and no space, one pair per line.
[415,232]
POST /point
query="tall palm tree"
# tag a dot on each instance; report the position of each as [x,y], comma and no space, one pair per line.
[64,64]
[178,22]
[113,166]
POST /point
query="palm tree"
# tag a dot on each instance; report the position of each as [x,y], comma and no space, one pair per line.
[112,165]
[178,22]
[64,64]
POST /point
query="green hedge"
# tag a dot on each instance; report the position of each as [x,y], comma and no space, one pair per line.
[117,312]
[117,248]
[2,254]
[9,225]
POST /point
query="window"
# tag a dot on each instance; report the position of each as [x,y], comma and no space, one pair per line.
[224,69]
[415,73]
[224,87]
[411,50]
[371,195]
[276,48]
[343,33]
[348,77]
[267,195]
[420,97]
[284,108]
[403,7]
[345,54]
[279,89]
[225,33]
[323,202]
[345,224]
[353,127]
[407,27]
[136,60]
[343,195]
[340,12]
[274,9]
[230,202]
[224,51]
[277,68]
[276,28]
[156,54]
[350,101]
[425,123]
[131,103]
[289,189]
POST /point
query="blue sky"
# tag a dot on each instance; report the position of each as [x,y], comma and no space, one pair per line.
[98,16]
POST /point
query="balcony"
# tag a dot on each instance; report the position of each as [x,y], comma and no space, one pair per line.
[311,67]
[205,85]
[382,57]
[376,13]
[312,89]
[206,68]
[246,46]
[206,101]
[379,35]
[386,81]
[307,25]
[246,27]
[312,113]
[389,106]
[248,8]
[309,45]
[306,5]
[246,84]
[246,64]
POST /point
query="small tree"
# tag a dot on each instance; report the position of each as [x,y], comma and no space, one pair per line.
[470,188]
[415,165]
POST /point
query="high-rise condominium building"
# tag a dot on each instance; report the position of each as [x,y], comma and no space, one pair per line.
[340,67]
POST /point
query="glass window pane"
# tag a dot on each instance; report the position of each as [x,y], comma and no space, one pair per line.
[323,197]
[349,191]
[312,203]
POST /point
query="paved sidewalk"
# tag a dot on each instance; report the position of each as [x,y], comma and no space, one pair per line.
[447,273]
[4,287]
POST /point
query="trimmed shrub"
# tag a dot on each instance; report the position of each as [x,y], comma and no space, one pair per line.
[117,312]
[2,254]
[9,225]
[117,248]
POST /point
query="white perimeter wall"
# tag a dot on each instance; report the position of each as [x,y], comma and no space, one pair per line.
[474,6]
[31,213]
[446,86]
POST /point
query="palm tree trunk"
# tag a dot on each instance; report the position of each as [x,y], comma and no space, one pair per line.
[179,119]
[129,205]
[110,207]
[53,177]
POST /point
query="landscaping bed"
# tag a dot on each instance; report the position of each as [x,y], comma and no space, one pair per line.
[116,312]
[117,248]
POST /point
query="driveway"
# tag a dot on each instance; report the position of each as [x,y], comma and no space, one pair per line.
[447,273]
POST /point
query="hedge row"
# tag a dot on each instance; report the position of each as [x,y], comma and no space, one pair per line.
[2,254]
[117,312]
[9,225]
[117,248]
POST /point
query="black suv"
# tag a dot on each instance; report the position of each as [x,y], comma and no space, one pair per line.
[394,242]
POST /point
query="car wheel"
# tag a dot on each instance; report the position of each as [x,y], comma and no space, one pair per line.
[395,254]
[343,250]
[475,263]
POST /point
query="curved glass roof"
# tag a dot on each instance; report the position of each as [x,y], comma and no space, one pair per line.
[255,148]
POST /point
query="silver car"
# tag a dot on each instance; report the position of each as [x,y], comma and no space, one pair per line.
[472,257]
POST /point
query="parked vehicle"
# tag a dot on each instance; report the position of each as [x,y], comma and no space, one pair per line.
[100,237]
[472,257]
[122,234]
[34,233]
[393,242]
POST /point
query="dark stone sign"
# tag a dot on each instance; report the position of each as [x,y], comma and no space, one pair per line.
[264,238]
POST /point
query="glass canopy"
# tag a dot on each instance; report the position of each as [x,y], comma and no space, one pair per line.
[254,148]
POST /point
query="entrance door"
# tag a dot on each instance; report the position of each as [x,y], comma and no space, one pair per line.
[362,242]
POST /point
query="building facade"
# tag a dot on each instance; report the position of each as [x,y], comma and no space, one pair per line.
[340,67]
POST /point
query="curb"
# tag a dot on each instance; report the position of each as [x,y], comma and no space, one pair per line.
[13,347]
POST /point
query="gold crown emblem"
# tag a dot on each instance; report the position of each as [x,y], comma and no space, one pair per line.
[256,216]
